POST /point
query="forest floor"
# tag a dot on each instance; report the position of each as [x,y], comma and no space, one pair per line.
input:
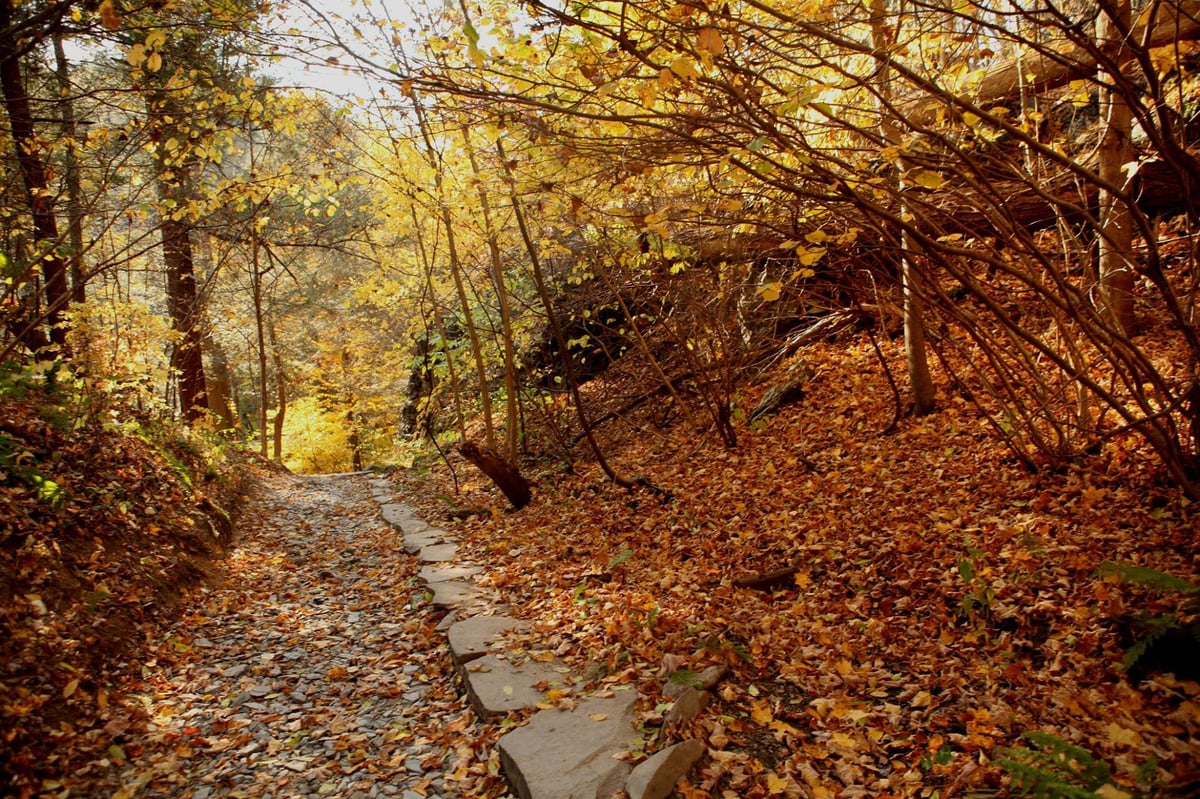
[943,601]
[308,665]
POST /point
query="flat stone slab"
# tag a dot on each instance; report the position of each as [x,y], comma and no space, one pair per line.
[452,593]
[438,553]
[568,754]
[415,542]
[473,638]
[496,686]
[440,572]
[402,515]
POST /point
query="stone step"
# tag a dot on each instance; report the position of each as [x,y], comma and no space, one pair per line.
[474,637]
[569,754]
[497,686]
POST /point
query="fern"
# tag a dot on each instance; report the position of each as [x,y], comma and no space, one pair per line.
[1153,629]
[1149,578]
[1054,769]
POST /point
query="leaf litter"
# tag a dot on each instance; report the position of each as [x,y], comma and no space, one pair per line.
[311,668]
[939,601]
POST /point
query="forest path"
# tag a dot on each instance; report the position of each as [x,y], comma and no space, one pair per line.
[313,669]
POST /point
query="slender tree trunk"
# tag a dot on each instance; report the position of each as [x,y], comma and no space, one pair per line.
[71,172]
[512,414]
[281,396]
[924,392]
[435,163]
[260,334]
[559,339]
[1115,254]
[38,195]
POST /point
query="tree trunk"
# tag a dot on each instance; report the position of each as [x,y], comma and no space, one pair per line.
[220,389]
[280,397]
[512,416]
[435,163]
[924,393]
[183,304]
[71,176]
[1115,254]
[38,195]
[501,472]
[264,396]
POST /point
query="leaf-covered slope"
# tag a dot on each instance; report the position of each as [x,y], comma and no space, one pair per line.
[101,532]
[943,601]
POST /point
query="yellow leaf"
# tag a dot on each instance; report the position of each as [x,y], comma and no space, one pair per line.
[684,67]
[928,179]
[136,56]
[969,119]
[783,727]
[844,667]
[809,257]
[770,291]
[153,62]
[1121,736]
[843,740]
[761,713]
[598,716]
[70,688]
[102,698]
[776,784]
[816,237]
[709,41]
[156,39]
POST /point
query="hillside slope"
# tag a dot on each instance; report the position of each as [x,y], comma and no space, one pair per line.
[936,600]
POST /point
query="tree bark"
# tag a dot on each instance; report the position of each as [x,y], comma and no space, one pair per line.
[924,392]
[183,304]
[506,476]
[38,195]
[1115,251]
[71,176]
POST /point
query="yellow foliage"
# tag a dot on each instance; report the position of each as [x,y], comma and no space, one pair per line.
[314,440]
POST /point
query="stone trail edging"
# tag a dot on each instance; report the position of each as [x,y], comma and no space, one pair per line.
[558,754]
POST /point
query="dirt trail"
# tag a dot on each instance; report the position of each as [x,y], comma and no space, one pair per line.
[314,670]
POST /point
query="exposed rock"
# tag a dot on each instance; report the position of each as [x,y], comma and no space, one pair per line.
[472,638]
[403,516]
[438,553]
[778,396]
[437,572]
[415,542]
[496,686]
[688,705]
[452,593]
[703,681]
[656,778]
[568,754]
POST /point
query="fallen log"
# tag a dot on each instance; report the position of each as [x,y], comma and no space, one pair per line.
[506,476]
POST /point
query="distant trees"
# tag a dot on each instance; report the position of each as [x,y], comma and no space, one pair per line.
[1009,186]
